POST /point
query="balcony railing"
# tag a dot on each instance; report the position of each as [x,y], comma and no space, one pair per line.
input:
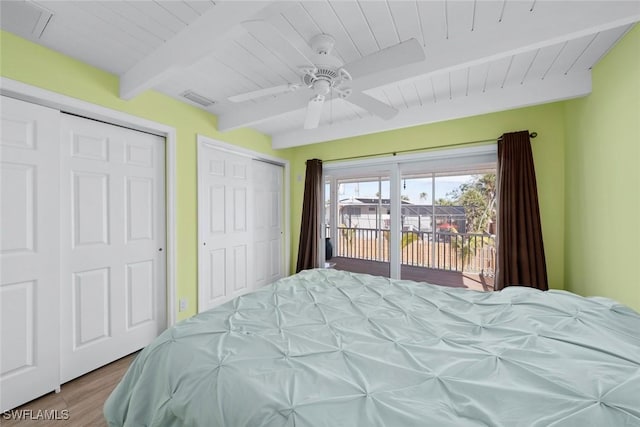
[463,252]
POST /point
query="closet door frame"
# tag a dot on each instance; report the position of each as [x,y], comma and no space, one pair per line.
[67,104]
[255,155]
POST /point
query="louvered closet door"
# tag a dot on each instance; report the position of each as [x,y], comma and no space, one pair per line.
[28,252]
[113,237]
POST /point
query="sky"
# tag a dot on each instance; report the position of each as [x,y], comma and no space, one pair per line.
[411,187]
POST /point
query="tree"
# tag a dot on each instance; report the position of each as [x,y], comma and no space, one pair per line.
[404,198]
[478,197]
[444,202]
[423,196]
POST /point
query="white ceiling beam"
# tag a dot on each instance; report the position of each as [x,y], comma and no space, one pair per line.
[518,96]
[451,55]
[445,57]
[192,43]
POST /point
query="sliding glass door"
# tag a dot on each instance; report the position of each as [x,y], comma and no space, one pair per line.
[358,224]
[447,226]
[426,219]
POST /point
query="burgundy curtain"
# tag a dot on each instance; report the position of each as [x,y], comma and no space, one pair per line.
[310,227]
[521,258]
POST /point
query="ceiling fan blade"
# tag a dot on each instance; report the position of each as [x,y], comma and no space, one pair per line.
[372,105]
[314,111]
[243,115]
[404,53]
[271,37]
[260,93]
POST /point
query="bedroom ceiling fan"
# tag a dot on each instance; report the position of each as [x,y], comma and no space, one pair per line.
[325,76]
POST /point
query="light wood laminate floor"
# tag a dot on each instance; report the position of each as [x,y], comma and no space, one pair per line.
[80,400]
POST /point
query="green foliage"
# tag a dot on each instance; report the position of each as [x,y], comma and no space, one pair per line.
[479,199]
[444,202]
[467,245]
[408,238]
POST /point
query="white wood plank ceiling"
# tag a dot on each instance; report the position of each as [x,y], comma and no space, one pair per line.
[479,56]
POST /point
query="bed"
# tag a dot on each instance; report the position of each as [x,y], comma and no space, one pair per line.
[331,348]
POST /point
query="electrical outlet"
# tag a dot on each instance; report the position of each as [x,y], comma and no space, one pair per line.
[183,304]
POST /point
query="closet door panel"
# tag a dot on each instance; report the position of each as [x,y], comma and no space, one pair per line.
[225,192]
[268,225]
[29,293]
[113,233]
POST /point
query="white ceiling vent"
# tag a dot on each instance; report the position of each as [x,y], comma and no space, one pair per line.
[25,18]
[198,99]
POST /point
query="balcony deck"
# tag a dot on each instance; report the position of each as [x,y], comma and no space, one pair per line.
[454,279]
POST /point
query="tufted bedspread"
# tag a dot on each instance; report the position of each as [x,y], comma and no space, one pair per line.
[330,348]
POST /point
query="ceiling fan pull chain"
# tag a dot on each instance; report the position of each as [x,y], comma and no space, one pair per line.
[331,107]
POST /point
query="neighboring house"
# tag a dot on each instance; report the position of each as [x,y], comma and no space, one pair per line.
[371,213]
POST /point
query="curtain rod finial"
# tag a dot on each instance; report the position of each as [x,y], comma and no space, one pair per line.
[533,134]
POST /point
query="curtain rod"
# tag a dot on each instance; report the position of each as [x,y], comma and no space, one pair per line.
[413,150]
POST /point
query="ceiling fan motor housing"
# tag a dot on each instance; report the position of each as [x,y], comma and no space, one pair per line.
[328,72]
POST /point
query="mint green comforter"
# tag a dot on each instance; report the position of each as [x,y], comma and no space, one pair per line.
[329,348]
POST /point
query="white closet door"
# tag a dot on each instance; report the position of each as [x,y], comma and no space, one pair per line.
[113,236]
[225,197]
[28,252]
[267,224]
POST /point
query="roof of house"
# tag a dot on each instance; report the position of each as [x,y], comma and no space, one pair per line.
[422,209]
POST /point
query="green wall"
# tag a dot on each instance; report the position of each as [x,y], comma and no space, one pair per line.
[587,149]
[548,151]
[38,66]
[602,176]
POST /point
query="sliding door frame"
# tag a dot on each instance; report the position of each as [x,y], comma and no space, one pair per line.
[67,104]
[436,160]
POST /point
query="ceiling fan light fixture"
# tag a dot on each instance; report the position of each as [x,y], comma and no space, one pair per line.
[321,87]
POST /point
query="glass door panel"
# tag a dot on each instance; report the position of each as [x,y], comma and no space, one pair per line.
[416,225]
[450,221]
[447,226]
[329,218]
[361,232]
[467,218]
